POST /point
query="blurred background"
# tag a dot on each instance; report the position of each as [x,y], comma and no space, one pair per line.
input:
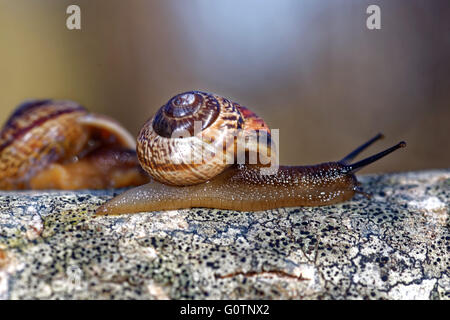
[310,68]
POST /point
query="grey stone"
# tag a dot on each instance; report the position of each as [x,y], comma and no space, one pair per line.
[395,245]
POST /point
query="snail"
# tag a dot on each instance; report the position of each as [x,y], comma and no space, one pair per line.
[214,182]
[48,144]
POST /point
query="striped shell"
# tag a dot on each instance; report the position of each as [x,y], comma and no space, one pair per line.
[192,138]
[43,132]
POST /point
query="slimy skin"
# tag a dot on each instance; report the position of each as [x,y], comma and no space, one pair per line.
[243,188]
[105,167]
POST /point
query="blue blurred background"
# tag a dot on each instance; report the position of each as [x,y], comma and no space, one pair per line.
[310,68]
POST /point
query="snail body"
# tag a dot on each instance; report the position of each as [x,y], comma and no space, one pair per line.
[178,183]
[49,144]
[242,188]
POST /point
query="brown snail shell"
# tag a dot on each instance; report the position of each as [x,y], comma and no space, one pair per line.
[192,138]
[44,139]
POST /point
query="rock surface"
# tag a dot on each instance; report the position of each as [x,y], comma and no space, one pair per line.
[395,245]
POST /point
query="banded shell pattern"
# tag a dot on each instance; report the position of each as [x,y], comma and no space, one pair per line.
[192,138]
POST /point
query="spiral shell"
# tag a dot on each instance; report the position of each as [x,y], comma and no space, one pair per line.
[43,132]
[192,138]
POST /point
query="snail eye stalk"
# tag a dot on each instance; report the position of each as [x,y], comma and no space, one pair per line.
[352,168]
[352,155]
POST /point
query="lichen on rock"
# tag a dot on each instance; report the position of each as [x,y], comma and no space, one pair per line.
[395,245]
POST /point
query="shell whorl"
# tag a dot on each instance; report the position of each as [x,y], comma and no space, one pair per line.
[192,138]
[182,111]
[31,114]
[37,134]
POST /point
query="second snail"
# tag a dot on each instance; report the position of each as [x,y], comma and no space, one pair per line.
[171,148]
[58,144]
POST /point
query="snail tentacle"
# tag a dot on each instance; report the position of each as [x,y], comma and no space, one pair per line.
[352,155]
